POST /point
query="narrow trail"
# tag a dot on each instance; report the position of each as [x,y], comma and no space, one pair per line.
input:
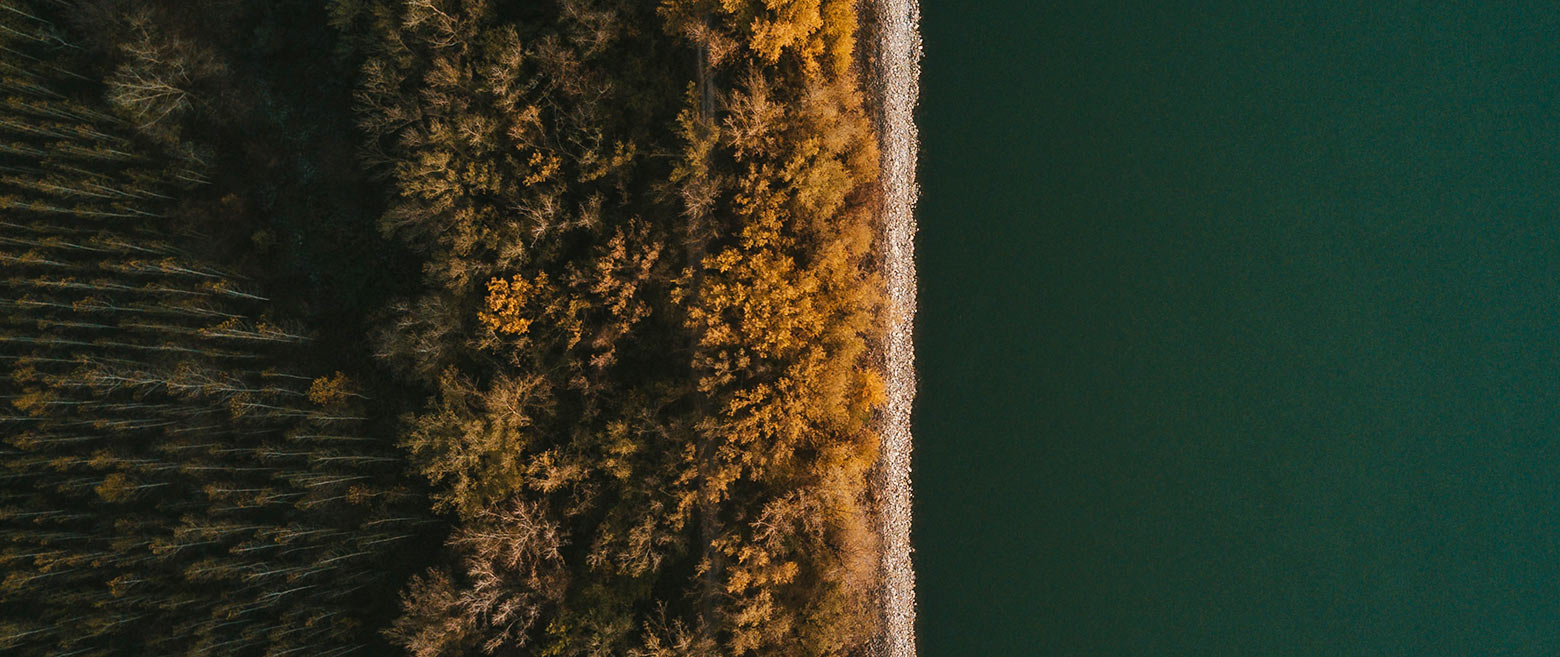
[896,83]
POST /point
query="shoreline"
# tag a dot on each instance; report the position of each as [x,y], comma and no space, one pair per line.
[895,85]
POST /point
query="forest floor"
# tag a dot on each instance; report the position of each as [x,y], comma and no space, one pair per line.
[895,85]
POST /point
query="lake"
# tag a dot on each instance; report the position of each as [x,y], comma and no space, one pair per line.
[1238,329]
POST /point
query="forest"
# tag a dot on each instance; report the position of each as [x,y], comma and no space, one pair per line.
[438,328]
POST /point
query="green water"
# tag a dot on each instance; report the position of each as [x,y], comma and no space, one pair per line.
[1239,329]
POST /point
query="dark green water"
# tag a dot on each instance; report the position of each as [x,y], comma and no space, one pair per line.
[1239,329]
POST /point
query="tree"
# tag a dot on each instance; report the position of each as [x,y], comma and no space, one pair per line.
[152,87]
[333,390]
[511,572]
[474,444]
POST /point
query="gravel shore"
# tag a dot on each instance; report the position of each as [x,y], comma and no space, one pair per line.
[896,82]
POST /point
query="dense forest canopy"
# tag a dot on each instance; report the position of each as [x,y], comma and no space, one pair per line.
[583,289]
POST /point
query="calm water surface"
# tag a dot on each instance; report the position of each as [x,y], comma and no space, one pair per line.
[1239,331]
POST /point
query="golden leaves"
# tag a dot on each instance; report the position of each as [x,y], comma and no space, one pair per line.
[506,303]
[542,168]
[331,390]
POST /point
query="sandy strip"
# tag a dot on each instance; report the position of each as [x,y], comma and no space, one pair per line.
[897,82]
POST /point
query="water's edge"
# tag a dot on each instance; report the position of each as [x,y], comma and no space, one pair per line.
[896,85]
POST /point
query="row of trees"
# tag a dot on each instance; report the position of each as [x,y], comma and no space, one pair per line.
[169,484]
[527,150]
[781,299]
[646,235]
